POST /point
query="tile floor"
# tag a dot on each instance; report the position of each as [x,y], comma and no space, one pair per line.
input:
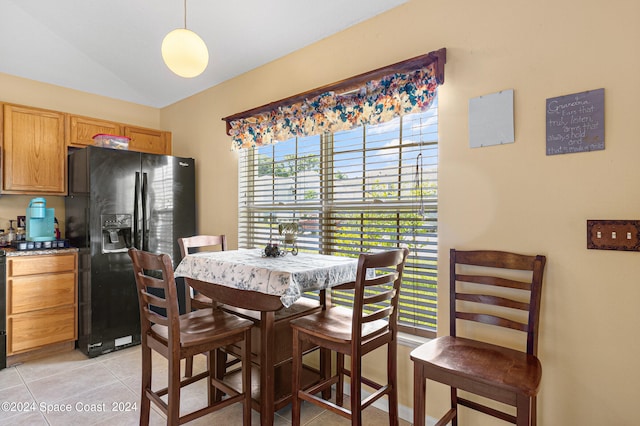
[71,389]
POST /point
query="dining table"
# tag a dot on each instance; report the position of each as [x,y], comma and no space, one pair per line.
[269,291]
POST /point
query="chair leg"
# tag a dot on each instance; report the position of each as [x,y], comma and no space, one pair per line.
[356,390]
[246,378]
[454,406]
[145,403]
[188,368]
[340,384]
[211,368]
[534,411]
[325,370]
[524,411]
[295,381]
[392,380]
[220,368]
[419,394]
[173,402]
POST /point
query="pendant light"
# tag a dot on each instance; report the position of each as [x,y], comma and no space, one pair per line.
[184,52]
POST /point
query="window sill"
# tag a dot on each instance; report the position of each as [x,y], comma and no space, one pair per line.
[410,340]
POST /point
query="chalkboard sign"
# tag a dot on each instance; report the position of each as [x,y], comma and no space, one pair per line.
[575,123]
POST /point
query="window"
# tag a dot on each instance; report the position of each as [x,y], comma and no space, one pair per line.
[353,191]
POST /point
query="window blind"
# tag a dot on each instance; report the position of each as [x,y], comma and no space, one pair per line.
[362,190]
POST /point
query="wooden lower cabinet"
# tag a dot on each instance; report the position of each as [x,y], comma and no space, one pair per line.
[42,307]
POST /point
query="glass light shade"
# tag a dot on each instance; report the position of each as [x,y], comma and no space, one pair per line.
[185,53]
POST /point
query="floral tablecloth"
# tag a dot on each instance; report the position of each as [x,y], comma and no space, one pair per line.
[288,276]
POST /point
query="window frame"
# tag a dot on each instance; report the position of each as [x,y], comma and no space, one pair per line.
[327,209]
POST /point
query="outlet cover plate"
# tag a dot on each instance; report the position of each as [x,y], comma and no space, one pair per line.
[613,235]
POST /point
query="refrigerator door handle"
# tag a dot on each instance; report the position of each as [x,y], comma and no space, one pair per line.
[87,235]
[136,213]
[145,230]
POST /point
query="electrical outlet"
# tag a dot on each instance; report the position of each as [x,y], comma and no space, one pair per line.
[613,235]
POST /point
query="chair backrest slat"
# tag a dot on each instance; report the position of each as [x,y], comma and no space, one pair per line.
[484,284]
[379,297]
[496,259]
[155,318]
[492,320]
[493,300]
[376,315]
[387,278]
[495,281]
[190,244]
[152,299]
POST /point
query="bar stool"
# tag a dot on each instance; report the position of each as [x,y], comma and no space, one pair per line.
[497,289]
[371,324]
[192,299]
[177,337]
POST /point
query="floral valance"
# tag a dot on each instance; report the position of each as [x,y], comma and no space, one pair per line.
[371,102]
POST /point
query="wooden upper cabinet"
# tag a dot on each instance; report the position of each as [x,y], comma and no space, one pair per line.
[34,156]
[81,130]
[34,146]
[148,140]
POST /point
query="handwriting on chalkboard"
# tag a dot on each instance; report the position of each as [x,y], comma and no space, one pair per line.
[575,123]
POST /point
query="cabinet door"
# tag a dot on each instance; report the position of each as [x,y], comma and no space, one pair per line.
[148,140]
[80,130]
[34,153]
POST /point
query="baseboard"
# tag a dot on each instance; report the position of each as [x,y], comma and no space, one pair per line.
[44,351]
[404,412]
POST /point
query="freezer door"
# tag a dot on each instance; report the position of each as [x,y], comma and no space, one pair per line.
[169,203]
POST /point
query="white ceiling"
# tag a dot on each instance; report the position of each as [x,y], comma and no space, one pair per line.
[112,47]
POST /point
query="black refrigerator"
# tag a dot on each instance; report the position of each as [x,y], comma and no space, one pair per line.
[117,200]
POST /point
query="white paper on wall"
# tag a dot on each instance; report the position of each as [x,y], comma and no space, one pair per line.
[491,119]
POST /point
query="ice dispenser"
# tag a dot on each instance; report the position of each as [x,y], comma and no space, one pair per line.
[116,232]
[40,221]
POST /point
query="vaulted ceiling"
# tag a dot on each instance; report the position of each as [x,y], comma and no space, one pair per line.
[112,47]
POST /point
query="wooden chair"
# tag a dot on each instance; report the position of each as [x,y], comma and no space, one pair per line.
[192,299]
[500,289]
[177,337]
[371,324]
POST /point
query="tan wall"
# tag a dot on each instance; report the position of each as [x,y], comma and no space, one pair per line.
[40,95]
[510,197]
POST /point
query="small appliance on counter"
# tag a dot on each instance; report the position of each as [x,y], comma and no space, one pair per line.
[40,221]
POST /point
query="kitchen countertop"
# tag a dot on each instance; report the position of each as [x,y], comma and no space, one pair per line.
[10,251]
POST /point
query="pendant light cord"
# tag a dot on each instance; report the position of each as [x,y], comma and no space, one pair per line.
[185,14]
